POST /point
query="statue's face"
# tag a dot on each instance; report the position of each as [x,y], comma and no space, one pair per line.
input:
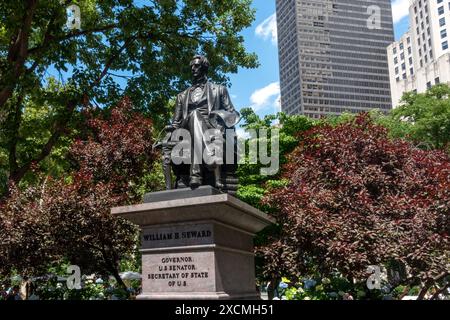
[196,68]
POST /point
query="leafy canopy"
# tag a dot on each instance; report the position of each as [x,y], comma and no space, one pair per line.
[357,198]
[427,115]
[124,47]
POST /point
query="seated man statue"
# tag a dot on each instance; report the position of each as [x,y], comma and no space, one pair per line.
[203,106]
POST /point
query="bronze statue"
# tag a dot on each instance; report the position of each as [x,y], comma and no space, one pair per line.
[204,106]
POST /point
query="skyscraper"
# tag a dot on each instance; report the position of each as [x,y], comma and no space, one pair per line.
[421,58]
[333,55]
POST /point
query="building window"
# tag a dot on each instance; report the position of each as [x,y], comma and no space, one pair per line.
[394,50]
[401,46]
[439,1]
[428,84]
[411,71]
[443,33]
[409,50]
[442,22]
[410,61]
[445,45]
[403,66]
[441,10]
[404,76]
[395,60]
[396,70]
[408,40]
[437,80]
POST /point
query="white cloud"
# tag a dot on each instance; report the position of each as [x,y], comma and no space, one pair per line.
[278,103]
[400,9]
[268,29]
[264,97]
[242,134]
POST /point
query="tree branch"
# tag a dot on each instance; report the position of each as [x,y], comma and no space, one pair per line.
[404,293]
[61,125]
[17,54]
[440,291]
[14,135]
[429,283]
[47,148]
[111,60]
[70,36]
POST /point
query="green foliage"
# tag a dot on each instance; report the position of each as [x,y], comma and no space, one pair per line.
[24,138]
[123,48]
[150,44]
[321,289]
[335,120]
[251,194]
[152,180]
[93,287]
[425,117]
[252,185]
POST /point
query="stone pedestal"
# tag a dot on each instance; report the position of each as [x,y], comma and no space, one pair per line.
[196,244]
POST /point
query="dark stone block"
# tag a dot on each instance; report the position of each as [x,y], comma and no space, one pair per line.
[180,194]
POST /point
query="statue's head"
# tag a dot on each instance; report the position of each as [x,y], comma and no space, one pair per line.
[199,66]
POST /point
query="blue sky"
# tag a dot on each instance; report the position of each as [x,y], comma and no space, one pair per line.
[259,88]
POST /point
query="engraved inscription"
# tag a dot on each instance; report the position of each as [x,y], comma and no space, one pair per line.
[178,271]
[177,235]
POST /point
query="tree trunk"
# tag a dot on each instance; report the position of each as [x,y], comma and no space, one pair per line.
[272,288]
[119,280]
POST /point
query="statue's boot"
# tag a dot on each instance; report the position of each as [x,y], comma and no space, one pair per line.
[195,182]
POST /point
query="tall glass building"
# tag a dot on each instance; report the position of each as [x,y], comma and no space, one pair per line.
[333,55]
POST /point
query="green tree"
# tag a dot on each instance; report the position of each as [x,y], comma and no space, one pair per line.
[123,48]
[23,135]
[253,185]
[424,117]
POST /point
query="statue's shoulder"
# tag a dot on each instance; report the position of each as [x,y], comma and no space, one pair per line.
[183,94]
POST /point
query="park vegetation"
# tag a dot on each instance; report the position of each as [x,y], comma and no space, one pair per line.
[353,191]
